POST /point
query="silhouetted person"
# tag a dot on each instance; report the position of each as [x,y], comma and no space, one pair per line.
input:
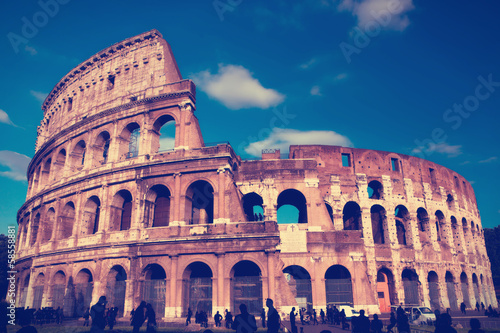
[376,324]
[151,317]
[301,316]
[462,307]
[292,320]
[361,323]
[477,306]
[97,312]
[188,317]
[343,319]
[315,319]
[482,305]
[244,322]
[475,326]
[392,321]
[273,318]
[402,321]
[229,319]
[25,322]
[261,217]
[322,315]
[263,317]
[444,324]
[217,319]
[86,316]
[139,317]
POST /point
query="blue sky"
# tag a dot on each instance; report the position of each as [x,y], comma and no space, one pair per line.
[408,76]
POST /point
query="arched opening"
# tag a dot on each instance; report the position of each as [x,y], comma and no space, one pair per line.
[385,290]
[129,137]
[46,172]
[253,207]
[475,286]
[484,289]
[50,220]
[456,234]
[58,290]
[66,221]
[197,285]
[329,209]
[163,134]
[157,207]
[154,287]
[246,287]
[423,225]
[59,163]
[34,229]
[402,221]
[467,236]
[450,201]
[299,282]
[84,286]
[101,149]
[116,284]
[351,215]
[433,281]
[375,190]
[379,223]
[464,283]
[78,155]
[440,226]
[200,203]
[24,291]
[24,231]
[410,284]
[338,286]
[121,211]
[92,209]
[292,207]
[450,288]
[38,291]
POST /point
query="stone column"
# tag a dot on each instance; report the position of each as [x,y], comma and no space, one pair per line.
[222,288]
[177,199]
[171,311]
[221,196]
[270,273]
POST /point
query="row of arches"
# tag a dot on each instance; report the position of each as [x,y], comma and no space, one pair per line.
[103,148]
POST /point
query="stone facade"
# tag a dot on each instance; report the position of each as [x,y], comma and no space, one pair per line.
[109,212]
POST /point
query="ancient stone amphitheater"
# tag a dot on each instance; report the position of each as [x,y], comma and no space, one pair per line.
[112,210]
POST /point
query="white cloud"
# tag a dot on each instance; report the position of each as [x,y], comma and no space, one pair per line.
[282,138]
[31,50]
[386,14]
[442,148]
[4,118]
[489,160]
[340,77]
[308,64]
[315,91]
[17,164]
[40,96]
[235,87]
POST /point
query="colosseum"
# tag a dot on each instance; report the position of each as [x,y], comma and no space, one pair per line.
[112,210]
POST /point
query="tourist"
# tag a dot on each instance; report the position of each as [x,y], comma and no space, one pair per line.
[361,323]
[376,324]
[139,317]
[293,326]
[188,317]
[322,315]
[25,323]
[343,320]
[402,321]
[263,317]
[315,320]
[477,306]
[462,307]
[392,321]
[475,326]
[444,324]
[273,318]
[151,317]
[86,316]
[244,322]
[97,312]
[217,319]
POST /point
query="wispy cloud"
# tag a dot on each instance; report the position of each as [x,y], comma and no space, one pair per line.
[315,91]
[387,14]
[31,50]
[441,148]
[16,163]
[236,88]
[4,118]
[340,77]
[282,139]
[40,96]
[489,160]
[308,64]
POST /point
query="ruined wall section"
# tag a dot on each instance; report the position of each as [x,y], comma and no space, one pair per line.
[136,68]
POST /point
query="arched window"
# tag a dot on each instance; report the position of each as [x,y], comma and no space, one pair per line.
[83,291]
[78,155]
[198,279]
[129,137]
[101,148]
[253,207]
[433,281]
[338,286]
[154,287]
[299,282]
[34,229]
[157,213]
[450,288]
[246,287]
[58,290]
[121,211]
[352,216]
[440,226]
[292,207]
[59,163]
[66,221]
[410,284]
[200,203]
[423,225]
[465,289]
[379,223]
[90,223]
[38,291]
[375,190]
[386,290]
[163,134]
[46,172]
[50,220]
[116,283]
[402,220]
